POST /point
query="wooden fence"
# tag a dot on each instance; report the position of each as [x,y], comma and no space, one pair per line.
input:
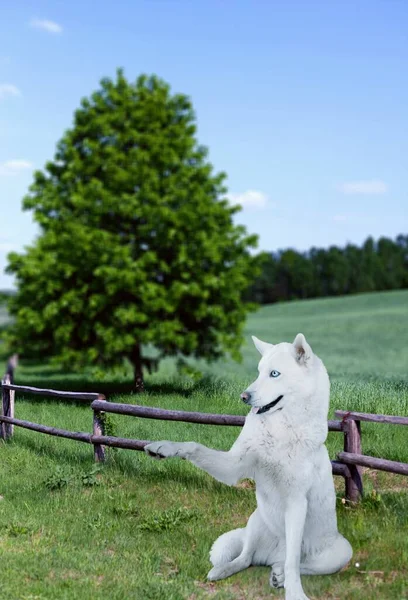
[349,464]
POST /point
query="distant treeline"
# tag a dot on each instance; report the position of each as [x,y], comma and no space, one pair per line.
[320,272]
[288,274]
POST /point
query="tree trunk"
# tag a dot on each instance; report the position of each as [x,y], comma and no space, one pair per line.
[138,383]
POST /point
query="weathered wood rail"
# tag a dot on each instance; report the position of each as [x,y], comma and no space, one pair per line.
[148,412]
[349,464]
[380,464]
[357,416]
[86,396]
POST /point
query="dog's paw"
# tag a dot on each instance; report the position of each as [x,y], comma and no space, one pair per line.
[297,594]
[277,578]
[162,449]
[216,573]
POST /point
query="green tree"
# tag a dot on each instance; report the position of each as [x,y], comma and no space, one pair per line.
[336,271]
[137,243]
[391,258]
[402,243]
[263,291]
[294,275]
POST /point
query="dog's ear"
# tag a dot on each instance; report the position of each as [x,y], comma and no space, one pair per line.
[262,347]
[303,351]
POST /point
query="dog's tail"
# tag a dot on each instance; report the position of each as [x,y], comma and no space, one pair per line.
[227,547]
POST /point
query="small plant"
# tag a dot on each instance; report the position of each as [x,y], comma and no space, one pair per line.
[126,510]
[167,519]
[109,429]
[14,530]
[91,478]
[58,479]
[372,499]
[96,521]
[109,425]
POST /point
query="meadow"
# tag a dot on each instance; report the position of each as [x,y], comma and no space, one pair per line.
[141,529]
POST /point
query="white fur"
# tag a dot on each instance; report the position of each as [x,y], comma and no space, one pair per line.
[294,527]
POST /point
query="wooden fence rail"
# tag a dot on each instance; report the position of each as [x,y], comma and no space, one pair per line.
[80,436]
[349,464]
[148,412]
[380,464]
[87,396]
[356,416]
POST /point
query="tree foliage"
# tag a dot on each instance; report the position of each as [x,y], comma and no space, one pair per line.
[290,275]
[137,242]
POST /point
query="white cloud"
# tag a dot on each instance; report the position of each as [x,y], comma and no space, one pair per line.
[249,199]
[8,89]
[340,218]
[373,186]
[14,167]
[46,25]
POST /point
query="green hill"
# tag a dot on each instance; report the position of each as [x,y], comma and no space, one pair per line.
[356,336]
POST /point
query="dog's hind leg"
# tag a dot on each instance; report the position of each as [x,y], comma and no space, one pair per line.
[231,542]
[330,560]
[227,547]
[238,549]
[243,561]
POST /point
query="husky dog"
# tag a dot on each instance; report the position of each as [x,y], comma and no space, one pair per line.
[282,447]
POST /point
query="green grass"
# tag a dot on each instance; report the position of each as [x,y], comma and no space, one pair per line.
[142,529]
[356,336]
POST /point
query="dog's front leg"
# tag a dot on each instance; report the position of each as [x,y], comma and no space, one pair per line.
[295,515]
[227,467]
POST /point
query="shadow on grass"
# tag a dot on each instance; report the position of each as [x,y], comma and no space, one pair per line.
[76,385]
[185,389]
[110,388]
[122,463]
[60,455]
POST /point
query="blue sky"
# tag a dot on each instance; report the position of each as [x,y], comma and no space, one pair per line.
[303,103]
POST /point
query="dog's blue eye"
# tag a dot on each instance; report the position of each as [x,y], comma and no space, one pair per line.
[275,373]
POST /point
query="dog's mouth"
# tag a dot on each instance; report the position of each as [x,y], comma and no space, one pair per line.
[263,409]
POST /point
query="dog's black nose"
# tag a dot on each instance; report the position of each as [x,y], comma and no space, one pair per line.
[246,396]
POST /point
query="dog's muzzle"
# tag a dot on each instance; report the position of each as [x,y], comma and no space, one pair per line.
[246,397]
[263,409]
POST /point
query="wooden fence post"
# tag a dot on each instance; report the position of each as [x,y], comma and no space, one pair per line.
[99,429]
[12,364]
[352,443]
[10,425]
[7,409]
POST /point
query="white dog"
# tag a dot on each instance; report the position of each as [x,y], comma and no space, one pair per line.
[281,447]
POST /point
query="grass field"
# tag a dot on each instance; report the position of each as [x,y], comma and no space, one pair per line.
[142,529]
